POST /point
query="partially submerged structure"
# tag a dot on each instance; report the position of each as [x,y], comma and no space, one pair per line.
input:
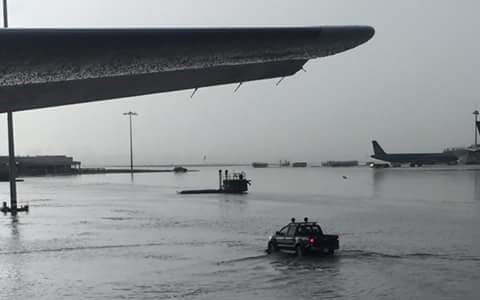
[40,165]
[235,183]
[299,164]
[260,165]
[340,163]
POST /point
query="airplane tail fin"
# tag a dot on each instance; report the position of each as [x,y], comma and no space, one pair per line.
[377,149]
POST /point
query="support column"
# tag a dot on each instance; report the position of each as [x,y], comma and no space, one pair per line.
[130,114]
[476,113]
[131,146]
[12,164]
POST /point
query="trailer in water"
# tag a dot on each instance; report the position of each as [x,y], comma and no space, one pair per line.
[236,183]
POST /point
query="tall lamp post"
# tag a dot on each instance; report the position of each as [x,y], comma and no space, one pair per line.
[130,114]
[11,147]
[476,113]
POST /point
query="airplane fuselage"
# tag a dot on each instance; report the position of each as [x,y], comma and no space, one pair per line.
[417,158]
[414,159]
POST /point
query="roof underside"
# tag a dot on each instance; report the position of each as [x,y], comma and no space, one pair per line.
[51,67]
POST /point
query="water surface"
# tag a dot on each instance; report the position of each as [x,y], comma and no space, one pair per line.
[404,234]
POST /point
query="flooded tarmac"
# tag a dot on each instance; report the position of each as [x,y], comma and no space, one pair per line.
[404,234]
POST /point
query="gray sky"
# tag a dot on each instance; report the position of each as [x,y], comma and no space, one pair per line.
[413,87]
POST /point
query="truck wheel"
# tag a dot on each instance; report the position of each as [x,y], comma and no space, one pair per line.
[331,251]
[272,248]
[299,251]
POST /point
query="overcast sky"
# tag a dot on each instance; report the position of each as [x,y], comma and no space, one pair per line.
[413,87]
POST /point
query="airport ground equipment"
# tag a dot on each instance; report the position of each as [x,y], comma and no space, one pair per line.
[236,183]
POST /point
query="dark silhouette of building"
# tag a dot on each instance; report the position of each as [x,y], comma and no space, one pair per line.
[40,165]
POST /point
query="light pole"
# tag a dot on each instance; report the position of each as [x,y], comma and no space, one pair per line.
[5,14]
[476,113]
[11,147]
[130,114]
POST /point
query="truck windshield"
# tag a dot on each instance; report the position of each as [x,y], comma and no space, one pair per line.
[284,230]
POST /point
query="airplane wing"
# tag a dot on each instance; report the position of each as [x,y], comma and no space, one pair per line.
[52,67]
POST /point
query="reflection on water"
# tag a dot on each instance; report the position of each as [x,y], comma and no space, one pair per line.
[446,182]
[476,185]
[404,233]
[11,271]
[310,276]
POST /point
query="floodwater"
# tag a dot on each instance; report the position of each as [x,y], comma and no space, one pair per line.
[404,234]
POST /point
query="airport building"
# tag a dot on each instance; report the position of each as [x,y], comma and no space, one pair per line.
[468,155]
[41,165]
[342,163]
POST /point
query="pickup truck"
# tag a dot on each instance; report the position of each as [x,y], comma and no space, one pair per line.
[302,238]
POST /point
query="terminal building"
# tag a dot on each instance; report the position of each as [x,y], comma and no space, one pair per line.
[341,163]
[41,165]
[468,155]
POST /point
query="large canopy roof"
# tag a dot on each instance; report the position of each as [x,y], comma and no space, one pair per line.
[51,67]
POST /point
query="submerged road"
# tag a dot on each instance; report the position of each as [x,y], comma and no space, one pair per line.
[404,234]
